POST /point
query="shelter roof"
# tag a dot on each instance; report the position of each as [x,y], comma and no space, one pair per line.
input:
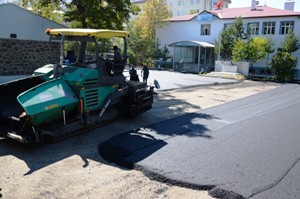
[191,43]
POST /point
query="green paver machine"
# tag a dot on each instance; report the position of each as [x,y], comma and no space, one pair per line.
[69,97]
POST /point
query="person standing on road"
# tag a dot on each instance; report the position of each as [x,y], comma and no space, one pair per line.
[145,73]
[133,74]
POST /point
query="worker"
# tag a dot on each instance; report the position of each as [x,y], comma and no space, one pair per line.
[145,73]
[117,55]
[133,74]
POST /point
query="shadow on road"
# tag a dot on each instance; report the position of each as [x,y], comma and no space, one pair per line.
[129,147]
[135,145]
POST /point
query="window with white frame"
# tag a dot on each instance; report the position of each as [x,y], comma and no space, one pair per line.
[253,28]
[205,29]
[269,28]
[285,27]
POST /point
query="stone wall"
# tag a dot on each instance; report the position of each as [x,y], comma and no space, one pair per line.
[20,57]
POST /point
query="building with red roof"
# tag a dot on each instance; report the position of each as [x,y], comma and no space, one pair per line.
[206,26]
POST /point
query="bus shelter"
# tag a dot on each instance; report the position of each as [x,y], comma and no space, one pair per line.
[193,56]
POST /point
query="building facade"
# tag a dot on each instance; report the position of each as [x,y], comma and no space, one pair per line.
[185,7]
[206,26]
[24,46]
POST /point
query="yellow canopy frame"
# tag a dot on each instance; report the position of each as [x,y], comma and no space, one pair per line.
[98,33]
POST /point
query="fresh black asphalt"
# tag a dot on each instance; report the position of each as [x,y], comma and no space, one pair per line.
[248,148]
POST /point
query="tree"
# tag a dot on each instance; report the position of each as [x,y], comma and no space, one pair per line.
[270,48]
[237,29]
[52,10]
[161,53]
[99,14]
[283,64]
[143,29]
[252,51]
[154,13]
[137,44]
[291,43]
[228,37]
[225,44]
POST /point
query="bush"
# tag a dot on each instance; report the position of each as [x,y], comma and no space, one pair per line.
[283,64]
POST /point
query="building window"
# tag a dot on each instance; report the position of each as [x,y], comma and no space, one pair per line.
[13,35]
[192,1]
[269,28]
[198,1]
[285,27]
[227,25]
[253,28]
[205,29]
[178,13]
[179,3]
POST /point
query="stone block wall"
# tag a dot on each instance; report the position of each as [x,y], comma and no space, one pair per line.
[20,57]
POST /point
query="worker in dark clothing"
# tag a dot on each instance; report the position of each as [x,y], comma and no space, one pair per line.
[133,74]
[145,73]
[117,55]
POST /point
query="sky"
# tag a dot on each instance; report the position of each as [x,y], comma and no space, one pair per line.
[271,3]
[244,3]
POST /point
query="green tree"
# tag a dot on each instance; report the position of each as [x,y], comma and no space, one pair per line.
[238,30]
[137,44]
[270,48]
[291,43]
[161,53]
[155,13]
[283,64]
[252,51]
[52,10]
[225,44]
[228,36]
[87,13]
[100,14]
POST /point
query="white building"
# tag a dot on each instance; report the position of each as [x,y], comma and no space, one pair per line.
[24,46]
[19,23]
[184,7]
[206,26]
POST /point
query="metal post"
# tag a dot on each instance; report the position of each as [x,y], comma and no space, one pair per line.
[199,59]
[174,59]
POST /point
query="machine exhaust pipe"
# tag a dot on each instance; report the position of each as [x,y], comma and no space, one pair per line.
[19,138]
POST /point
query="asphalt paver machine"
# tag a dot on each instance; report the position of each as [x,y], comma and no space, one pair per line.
[71,96]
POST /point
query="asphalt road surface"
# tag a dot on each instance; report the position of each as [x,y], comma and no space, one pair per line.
[248,148]
[167,80]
